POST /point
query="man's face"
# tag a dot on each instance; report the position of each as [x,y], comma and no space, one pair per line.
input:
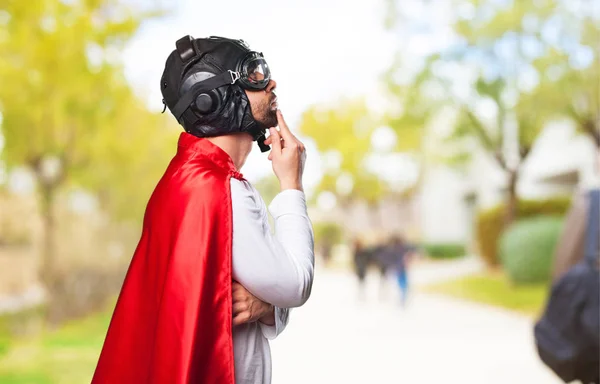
[264,105]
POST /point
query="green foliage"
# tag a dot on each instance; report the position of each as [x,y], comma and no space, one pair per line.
[327,233]
[4,345]
[494,288]
[567,86]
[268,187]
[327,236]
[345,129]
[18,324]
[337,127]
[64,97]
[5,337]
[490,223]
[572,93]
[127,165]
[444,250]
[503,57]
[66,355]
[54,100]
[527,249]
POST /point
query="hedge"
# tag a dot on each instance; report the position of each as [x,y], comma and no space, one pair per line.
[444,250]
[490,223]
[527,249]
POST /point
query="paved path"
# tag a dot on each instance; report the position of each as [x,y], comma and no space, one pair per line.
[337,338]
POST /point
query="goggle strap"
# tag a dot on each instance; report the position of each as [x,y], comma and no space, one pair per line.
[258,135]
[186,100]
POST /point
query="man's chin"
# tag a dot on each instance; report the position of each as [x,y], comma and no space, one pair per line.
[270,120]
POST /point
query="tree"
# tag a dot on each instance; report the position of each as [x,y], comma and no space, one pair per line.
[327,235]
[268,187]
[128,159]
[570,76]
[518,57]
[64,99]
[343,131]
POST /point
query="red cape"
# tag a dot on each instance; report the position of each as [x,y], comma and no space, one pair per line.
[172,322]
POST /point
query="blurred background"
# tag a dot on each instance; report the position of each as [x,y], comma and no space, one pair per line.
[447,140]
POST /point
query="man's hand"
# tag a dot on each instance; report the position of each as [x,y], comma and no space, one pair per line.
[247,308]
[287,155]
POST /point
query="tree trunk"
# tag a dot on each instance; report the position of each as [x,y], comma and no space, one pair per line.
[326,253]
[593,130]
[48,183]
[48,254]
[511,198]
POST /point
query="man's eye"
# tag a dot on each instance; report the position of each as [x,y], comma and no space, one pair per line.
[257,76]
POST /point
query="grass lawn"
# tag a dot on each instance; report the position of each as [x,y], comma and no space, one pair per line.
[67,355]
[494,288]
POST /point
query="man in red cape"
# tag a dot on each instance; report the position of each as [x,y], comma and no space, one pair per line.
[208,283]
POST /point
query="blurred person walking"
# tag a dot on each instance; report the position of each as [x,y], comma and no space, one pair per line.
[401,254]
[208,283]
[360,261]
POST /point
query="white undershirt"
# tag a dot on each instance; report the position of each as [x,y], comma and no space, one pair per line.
[277,268]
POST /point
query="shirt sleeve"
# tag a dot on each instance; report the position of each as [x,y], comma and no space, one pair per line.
[281,321]
[277,268]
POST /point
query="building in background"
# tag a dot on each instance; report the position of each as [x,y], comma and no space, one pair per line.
[560,163]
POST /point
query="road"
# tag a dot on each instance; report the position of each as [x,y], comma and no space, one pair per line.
[338,338]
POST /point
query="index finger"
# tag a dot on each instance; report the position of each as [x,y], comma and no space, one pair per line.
[283,128]
[275,142]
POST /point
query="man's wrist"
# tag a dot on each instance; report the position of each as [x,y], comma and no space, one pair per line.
[291,185]
[269,318]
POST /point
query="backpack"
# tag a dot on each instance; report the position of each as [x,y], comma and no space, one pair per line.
[567,335]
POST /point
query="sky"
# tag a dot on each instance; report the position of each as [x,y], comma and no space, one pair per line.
[318,51]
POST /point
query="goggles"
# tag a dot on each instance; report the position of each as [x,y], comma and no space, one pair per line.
[253,71]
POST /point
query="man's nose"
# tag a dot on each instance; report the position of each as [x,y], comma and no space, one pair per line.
[271,86]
